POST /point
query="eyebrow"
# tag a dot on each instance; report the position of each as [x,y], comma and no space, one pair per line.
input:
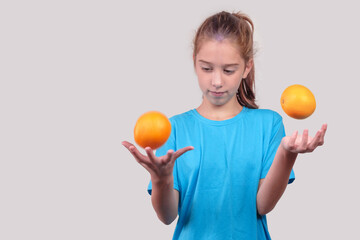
[225,65]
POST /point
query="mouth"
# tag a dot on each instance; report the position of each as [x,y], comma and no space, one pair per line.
[216,94]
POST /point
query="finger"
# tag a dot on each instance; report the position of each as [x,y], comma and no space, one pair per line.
[145,161]
[148,167]
[292,140]
[304,140]
[315,141]
[139,157]
[150,154]
[126,144]
[322,137]
[168,156]
[156,160]
[181,151]
[129,146]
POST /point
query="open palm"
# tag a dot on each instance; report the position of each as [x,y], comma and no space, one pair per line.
[158,167]
[304,143]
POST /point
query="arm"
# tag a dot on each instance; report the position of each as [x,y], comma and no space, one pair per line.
[164,197]
[273,186]
[165,200]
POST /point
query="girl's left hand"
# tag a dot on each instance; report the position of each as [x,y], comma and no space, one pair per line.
[304,143]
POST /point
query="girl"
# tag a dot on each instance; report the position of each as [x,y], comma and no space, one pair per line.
[233,160]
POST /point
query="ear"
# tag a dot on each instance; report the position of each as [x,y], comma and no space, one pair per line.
[248,66]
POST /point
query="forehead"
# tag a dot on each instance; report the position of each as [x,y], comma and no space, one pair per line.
[224,51]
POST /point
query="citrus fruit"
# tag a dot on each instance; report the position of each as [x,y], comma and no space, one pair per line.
[152,129]
[298,102]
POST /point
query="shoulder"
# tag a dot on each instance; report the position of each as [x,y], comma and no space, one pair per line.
[182,117]
[267,121]
[183,120]
[264,115]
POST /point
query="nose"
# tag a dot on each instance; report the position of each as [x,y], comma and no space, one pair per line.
[216,80]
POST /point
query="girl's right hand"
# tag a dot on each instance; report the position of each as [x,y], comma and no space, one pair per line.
[159,167]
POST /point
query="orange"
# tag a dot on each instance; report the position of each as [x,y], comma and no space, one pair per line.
[298,101]
[152,129]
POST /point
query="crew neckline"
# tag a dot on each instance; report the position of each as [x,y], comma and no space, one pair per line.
[220,122]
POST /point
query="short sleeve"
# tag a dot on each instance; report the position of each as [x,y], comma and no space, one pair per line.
[170,144]
[277,133]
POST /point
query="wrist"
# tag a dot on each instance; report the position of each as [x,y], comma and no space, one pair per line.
[162,181]
[289,155]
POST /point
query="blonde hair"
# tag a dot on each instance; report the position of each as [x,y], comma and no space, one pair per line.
[239,28]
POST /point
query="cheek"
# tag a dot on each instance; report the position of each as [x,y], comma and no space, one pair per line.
[198,72]
[201,78]
[236,83]
[202,83]
[235,86]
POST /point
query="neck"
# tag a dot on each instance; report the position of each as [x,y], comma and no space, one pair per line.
[219,113]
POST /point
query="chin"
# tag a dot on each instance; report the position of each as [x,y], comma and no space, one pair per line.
[218,102]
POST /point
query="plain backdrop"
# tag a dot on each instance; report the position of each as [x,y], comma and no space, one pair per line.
[75,76]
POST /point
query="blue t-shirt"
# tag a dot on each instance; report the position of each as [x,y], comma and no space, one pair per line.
[218,180]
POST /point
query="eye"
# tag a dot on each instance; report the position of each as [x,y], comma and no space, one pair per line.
[228,71]
[206,69]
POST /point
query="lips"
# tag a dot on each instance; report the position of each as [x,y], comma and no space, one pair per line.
[217,94]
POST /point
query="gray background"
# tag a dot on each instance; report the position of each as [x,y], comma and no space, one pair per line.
[75,76]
